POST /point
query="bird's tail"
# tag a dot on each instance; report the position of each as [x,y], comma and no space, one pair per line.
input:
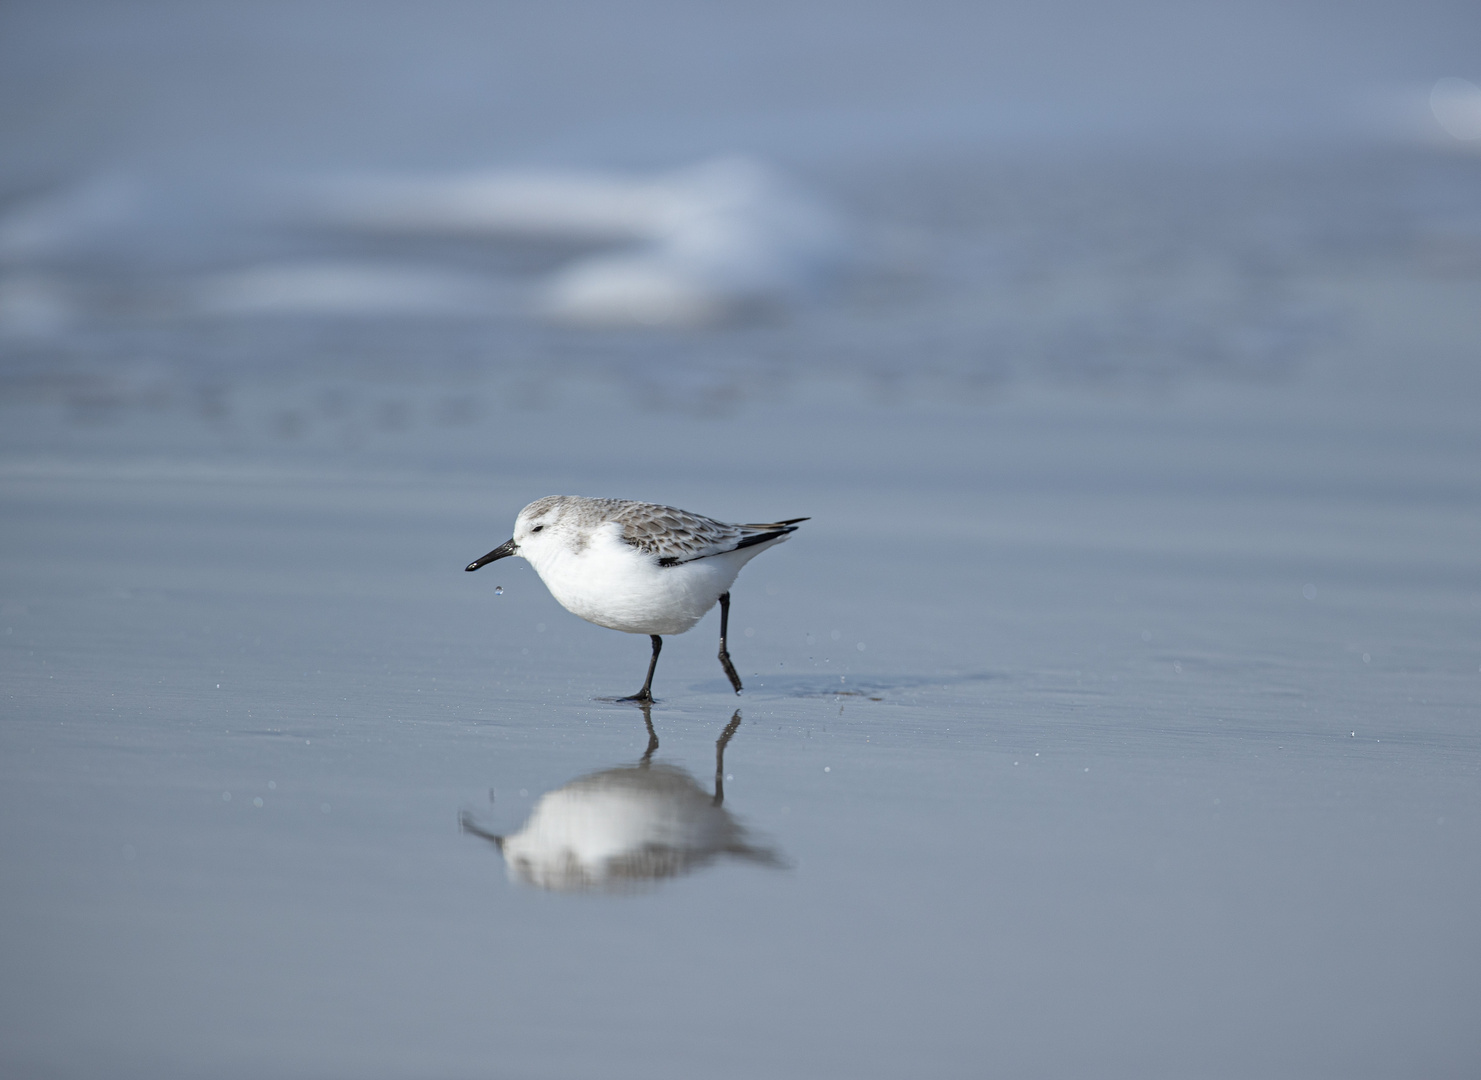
[769,530]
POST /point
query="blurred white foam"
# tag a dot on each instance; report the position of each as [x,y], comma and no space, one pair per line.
[574,205]
[698,246]
[1444,115]
[1456,104]
[344,288]
[706,242]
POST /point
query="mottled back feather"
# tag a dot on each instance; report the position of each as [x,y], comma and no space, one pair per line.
[675,536]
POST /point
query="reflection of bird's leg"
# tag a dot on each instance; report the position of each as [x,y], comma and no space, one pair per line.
[735,722]
[646,694]
[724,652]
[652,735]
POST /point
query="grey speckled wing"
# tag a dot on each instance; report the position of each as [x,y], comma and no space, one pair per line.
[677,536]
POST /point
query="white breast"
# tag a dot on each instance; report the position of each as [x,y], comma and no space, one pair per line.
[613,584]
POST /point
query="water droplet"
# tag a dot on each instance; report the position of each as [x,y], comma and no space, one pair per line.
[1367,658]
[860,646]
[498,590]
[257,801]
[1309,591]
[272,785]
[827,768]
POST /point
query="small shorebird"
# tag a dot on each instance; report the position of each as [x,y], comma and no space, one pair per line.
[637,567]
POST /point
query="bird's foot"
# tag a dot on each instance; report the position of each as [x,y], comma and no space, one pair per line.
[730,670]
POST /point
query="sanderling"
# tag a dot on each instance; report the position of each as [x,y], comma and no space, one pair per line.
[637,567]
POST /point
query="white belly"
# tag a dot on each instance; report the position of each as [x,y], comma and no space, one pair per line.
[616,586]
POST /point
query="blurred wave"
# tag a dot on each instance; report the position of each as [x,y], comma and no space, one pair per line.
[1456,104]
[962,279]
[205,205]
[701,244]
[723,240]
[344,289]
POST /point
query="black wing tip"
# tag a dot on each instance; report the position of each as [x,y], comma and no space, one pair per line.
[790,525]
[761,538]
[774,529]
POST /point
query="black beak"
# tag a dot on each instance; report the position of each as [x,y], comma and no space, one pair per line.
[504,550]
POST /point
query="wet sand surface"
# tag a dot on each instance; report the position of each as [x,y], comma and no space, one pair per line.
[1091,739]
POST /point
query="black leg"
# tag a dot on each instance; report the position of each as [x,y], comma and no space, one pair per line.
[724,652]
[646,694]
[735,722]
[652,735]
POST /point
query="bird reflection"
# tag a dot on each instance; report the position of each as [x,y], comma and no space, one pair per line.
[625,828]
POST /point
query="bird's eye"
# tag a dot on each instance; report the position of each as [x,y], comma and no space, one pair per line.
[537,528]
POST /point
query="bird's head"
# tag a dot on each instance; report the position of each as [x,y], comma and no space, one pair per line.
[540,528]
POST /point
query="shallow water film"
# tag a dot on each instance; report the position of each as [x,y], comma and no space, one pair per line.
[1114,714]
